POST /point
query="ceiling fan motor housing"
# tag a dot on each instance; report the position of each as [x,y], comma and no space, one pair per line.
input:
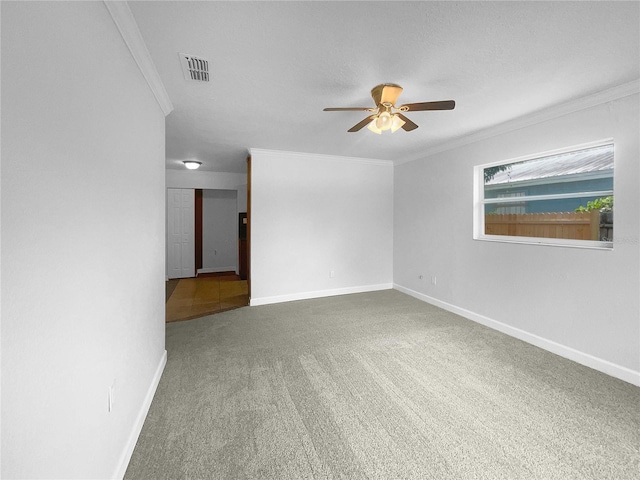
[386,93]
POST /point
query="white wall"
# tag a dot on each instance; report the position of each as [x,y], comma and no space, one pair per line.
[205,180]
[219,230]
[82,241]
[313,214]
[582,304]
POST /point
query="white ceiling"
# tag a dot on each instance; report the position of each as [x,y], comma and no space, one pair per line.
[276,65]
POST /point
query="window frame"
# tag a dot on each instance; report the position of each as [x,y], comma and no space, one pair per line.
[479,201]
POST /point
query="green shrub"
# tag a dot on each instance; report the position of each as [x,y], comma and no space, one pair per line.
[604,204]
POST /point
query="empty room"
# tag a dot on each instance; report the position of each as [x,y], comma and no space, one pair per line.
[421,219]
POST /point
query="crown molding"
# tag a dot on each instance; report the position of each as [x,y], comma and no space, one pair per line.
[128,28]
[319,157]
[582,103]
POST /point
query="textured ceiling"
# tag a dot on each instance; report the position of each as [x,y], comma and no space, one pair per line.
[276,65]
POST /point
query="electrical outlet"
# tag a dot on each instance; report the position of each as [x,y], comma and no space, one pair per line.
[332,274]
[434,280]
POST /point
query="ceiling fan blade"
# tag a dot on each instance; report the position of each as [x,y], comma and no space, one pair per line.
[348,109]
[415,107]
[408,124]
[362,124]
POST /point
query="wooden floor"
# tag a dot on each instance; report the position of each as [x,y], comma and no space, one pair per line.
[206,294]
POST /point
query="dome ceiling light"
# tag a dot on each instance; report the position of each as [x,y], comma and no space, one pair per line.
[192,164]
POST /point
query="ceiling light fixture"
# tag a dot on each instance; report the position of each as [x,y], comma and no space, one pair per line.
[386,116]
[191,164]
[372,126]
[396,123]
[385,121]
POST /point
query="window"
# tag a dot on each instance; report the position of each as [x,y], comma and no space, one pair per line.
[511,207]
[559,198]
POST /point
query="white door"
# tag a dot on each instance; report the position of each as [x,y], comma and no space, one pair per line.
[181,254]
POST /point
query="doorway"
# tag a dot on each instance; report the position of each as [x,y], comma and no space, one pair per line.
[204,231]
[206,252]
[217,231]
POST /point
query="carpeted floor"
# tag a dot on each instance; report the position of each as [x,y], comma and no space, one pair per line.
[380,386]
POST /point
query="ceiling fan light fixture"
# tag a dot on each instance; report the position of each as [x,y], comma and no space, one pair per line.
[387,116]
[396,123]
[384,120]
[372,126]
[192,164]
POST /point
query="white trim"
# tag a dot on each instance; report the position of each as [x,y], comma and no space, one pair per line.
[572,106]
[554,242]
[550,153]
[550,196]
[216,269]
[121,469]
[318,294]
[128,28]
[319,157]
[604,366]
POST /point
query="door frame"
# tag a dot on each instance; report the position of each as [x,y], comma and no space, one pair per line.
[249,227]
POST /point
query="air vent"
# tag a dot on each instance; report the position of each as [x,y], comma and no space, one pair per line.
[194,68]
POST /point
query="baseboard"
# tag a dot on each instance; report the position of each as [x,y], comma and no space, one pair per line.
[604,366]
[318,294]
[217,269]
[142,415]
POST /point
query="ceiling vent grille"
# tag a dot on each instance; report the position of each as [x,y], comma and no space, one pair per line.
[194,68]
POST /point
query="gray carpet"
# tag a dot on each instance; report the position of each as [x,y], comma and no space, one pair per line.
[379,386]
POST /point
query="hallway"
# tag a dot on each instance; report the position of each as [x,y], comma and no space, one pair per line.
[204,295]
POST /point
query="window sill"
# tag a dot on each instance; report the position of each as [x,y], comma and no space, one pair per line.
[552,242]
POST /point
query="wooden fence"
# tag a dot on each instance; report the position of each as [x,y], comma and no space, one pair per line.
[575,225]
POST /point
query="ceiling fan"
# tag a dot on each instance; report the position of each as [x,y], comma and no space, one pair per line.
[387,116]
